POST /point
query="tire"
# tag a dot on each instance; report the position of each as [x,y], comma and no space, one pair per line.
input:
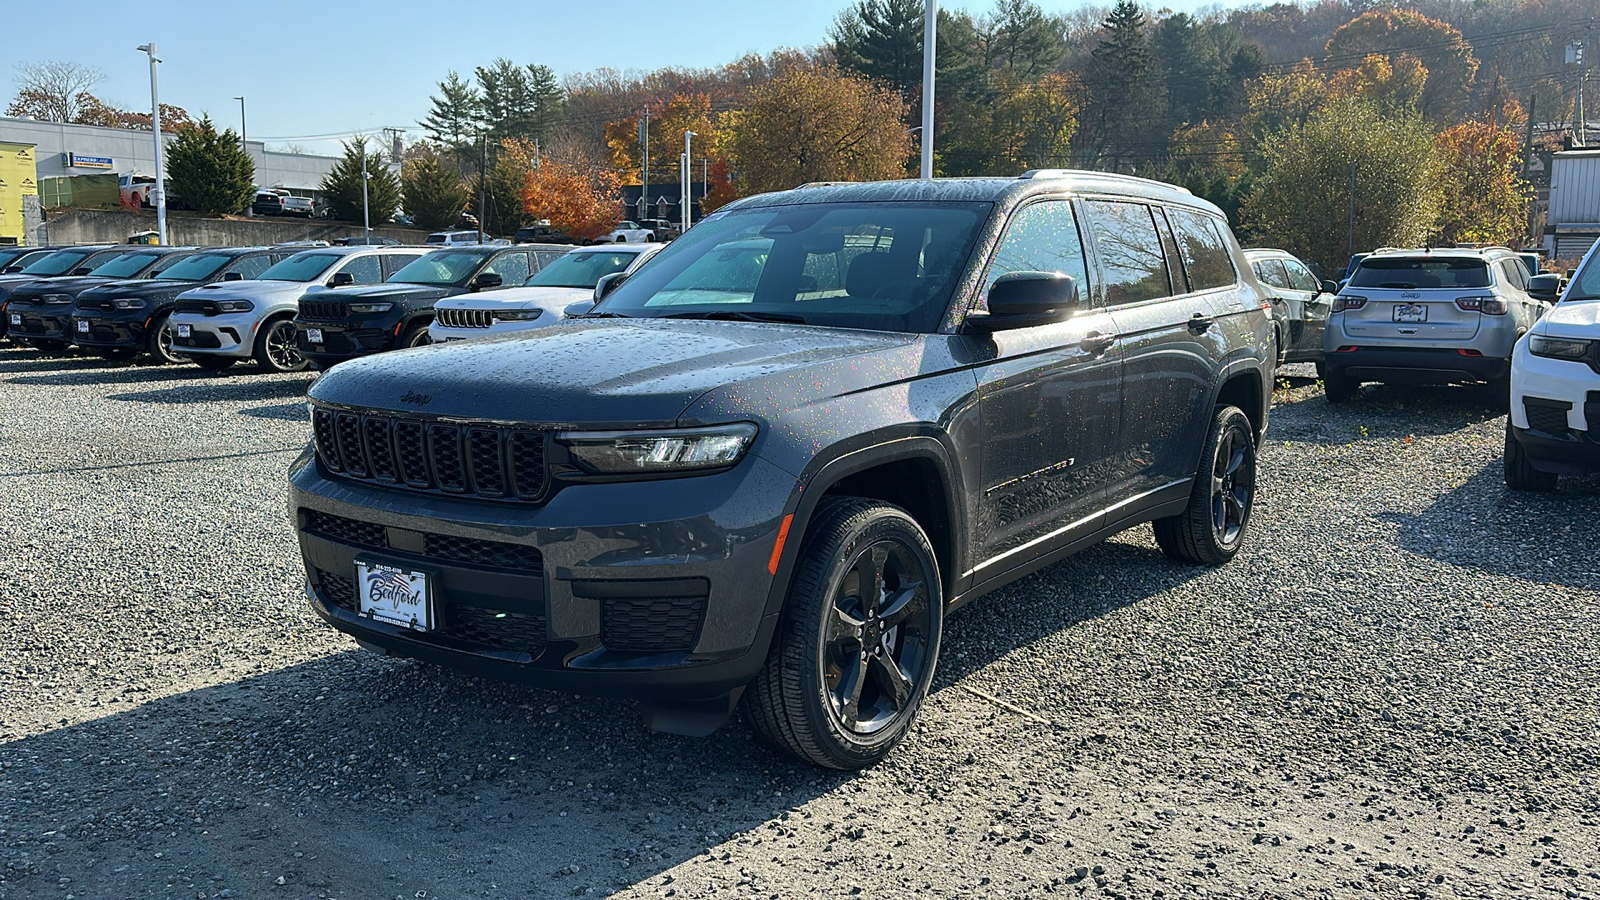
[275,348]
[416,335]
[1520,473]
[801,701]
[622,239]
[158,343]
[1212,528]
[212,362]
[1336,387]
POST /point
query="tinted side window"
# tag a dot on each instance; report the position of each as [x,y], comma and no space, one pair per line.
[542,258]
[1301,277]
[394,262]
[1271,272]
[1130,251]
[1205,252]
[364,269]
[1515,273]
[250,267]
[511,267]
[1042,238]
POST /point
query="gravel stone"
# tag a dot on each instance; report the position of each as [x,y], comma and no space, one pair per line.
[1390,691]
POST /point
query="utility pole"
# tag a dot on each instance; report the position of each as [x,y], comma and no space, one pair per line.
[930,46]
[1350,244]
[483,181]
[1527,146]
[155,124]
[244,147]
[644,175]
[684,193]
[366,214]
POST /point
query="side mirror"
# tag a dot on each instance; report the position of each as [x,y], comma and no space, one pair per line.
[82,270]
[487,280]
[1545,287]
[581,308]
[1330,287]
[1025,299]
[607,284]
[341,279]
[232,276]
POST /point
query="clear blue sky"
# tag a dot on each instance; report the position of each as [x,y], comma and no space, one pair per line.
[316,72]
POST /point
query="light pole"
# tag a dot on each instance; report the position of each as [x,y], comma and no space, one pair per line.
[683,181]
[366,215]
[930,44]
[242,144]
[155,124]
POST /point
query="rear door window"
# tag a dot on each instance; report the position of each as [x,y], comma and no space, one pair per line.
[1204,250]
[1129,247]
[1042,237]
[511,267]
[1300,277]
[250,267]
[1516,274]
[1271,272]
[364,269]
[394,262]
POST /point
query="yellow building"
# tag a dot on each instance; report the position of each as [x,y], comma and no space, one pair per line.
[19,178]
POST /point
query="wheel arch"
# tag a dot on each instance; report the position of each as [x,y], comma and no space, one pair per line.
[1243,385]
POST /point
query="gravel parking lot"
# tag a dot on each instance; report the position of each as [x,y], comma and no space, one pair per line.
[1393,690]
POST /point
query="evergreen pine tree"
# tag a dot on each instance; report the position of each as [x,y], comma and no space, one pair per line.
[1126,119]
[882,39]
[434,192]
[456,118]
[342,185]
[210,171]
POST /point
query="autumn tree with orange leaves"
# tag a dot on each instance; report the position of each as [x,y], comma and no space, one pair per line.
[583,201]
[1485,195]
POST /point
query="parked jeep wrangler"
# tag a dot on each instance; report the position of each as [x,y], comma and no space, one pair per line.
[770,462]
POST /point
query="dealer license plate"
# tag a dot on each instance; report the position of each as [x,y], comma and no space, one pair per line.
[314,335]
[395,595]
[1410,312]
[83,327]
[185,331]
[16,318]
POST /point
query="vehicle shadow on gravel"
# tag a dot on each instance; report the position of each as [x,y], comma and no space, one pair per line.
[368,776]
[1544,538]
[1384,411]
[227,390]
[114,374]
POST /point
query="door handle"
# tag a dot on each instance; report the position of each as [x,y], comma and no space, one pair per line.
[1199,323]
[1096,343]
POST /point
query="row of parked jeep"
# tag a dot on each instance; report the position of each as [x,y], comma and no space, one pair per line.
[289,308]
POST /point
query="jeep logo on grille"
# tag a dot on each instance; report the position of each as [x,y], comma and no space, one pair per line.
[418,399]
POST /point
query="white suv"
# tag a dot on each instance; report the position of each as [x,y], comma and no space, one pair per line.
[542,300]
[222,323]
[1554,426]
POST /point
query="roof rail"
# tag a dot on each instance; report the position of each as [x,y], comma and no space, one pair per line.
[1034,174]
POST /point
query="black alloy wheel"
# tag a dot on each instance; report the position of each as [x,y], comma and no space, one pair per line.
[416,336]
[1212,528]
[276,350]
[856,649]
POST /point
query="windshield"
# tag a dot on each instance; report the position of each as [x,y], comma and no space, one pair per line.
[11,256]
[301,267]
[58,263]
[443,267]
[125,266]
[1413,272]
[1586,283]
[581,270]
[198,267]
[883,266]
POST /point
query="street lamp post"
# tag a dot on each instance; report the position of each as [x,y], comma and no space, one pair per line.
[160,188]
[683,181]
[242,143]
[930,44]
[366,215]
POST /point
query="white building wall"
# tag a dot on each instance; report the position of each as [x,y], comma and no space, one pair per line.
[133,153]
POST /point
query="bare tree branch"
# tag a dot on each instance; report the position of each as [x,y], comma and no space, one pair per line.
[52,90]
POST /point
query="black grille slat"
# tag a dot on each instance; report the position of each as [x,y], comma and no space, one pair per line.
[336,589]
[527,560]
[496,629]
[347,531]
[484,460]
[202,339]
[1547,418]
[651,624]
[444,449]
[322,310]
[380,447]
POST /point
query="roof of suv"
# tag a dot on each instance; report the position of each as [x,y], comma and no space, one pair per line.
[998,190]
[1441,252]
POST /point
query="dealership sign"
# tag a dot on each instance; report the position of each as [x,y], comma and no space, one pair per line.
[73,160]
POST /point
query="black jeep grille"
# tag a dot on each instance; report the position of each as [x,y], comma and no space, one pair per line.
[490,461]
[471,551]
[322,310]
[651,624]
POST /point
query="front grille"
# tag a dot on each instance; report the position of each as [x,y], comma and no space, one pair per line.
[201,339]
[195,305]
[323,310]
[651,624]
[332,342]
[490,461]
[1547,417]
[471,551]
[464,318]
[337,589]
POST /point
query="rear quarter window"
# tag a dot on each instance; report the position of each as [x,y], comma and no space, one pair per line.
[1132,264]
[1204,249]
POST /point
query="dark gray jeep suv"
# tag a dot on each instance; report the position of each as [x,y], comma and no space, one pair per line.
[770,462]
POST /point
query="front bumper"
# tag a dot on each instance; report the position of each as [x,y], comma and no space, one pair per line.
[655,590]
[29,322]
[1552,384]
[1422,365]
[229,334]
[112,332]
[341,342]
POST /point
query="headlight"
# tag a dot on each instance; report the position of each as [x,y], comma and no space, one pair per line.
[519,315]
[127,303]
[233,306]
[362,309]
[668,450]
[55,299]
[1557,348]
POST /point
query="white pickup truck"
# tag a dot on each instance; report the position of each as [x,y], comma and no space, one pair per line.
[630,233]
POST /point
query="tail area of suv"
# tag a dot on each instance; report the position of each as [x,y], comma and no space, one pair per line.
[770,461]
[1428,317]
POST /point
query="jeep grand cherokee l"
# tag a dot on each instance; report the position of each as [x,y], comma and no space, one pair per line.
[41,311]
[772,459]
[344,324]
[125,318]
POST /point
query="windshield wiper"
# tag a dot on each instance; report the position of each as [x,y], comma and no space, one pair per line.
[734,315]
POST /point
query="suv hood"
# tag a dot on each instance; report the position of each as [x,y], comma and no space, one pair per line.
[393,290]
[1577,319]
[621,374]
[148,288]
[523,298]
[249,290]
[71,286]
